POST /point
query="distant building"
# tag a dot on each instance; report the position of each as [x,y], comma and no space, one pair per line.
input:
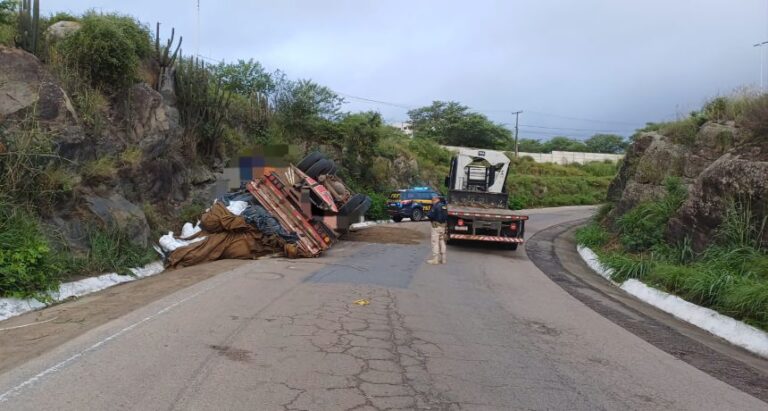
[404,127]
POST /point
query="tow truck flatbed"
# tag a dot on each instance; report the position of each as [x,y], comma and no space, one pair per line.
[462,211]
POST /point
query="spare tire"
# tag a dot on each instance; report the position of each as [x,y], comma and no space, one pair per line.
[322,166]
[352,204]
[309,161]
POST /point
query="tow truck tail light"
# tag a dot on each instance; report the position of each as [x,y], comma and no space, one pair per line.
[513,226]
[460,222]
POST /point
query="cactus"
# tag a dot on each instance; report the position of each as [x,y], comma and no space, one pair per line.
[163,55]
[29,23]
[202,104]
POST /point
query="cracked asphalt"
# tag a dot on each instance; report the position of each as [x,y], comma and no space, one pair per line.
[488,331]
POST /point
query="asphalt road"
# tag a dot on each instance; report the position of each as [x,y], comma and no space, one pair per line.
[488,331]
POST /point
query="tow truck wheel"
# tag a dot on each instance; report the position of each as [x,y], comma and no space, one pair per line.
[512,246]
[416,215]
[397,219]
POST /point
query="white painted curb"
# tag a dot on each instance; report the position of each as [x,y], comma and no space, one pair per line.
[366,224]
[727,328]
[11,307]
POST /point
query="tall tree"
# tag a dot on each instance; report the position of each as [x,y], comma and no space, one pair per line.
[451,123]
[564,144]
[244,77]
[606,143]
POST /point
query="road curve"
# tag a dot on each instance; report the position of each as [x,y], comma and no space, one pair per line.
[488,331]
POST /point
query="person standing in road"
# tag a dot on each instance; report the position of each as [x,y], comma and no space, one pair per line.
[438,215]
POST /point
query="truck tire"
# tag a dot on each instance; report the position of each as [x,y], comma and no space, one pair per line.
[322,166]
[397,218]
[362,207]
[309,161]
[352,204]
[416,214]
[512,247]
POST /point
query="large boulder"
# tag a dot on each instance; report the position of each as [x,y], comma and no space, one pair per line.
[29,91]
[741,176]
[116,212]
[61,30]
[649,161]
[148,118]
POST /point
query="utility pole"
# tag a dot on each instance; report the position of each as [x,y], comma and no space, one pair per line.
[517,117]
[762,62]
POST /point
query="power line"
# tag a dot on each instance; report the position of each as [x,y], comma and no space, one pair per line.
[369,100]
[626,123]
[574,129]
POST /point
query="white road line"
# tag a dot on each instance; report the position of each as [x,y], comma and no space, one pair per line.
[27,325]
[15,390]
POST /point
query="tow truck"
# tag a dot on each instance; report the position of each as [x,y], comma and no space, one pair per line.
[477,199]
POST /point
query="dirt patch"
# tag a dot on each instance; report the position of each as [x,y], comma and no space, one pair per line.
[386,235]
[30,335]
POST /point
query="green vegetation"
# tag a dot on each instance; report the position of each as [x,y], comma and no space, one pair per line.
[27,265]
[29,25]
[31,265]
[451,123]
[107,50]
[731,276]
[747,109]
[599,143]
[532,184]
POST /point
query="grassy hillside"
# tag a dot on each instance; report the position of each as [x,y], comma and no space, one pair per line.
[532,184]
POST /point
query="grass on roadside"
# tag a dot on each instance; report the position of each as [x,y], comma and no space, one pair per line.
[30,265]
[730,276]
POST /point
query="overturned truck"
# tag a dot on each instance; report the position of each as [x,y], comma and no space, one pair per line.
[298,210]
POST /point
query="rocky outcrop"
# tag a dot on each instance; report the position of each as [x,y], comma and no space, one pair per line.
[142,138]
[27,89]
[740,175]
[148,118]
[722,164]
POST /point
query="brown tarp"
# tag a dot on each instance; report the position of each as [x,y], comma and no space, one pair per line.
[226,236]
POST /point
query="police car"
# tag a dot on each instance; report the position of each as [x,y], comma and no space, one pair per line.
[413,203]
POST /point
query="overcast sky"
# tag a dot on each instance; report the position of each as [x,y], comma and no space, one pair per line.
[573,67]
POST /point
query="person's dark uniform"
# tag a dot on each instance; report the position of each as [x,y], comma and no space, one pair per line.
[439,217]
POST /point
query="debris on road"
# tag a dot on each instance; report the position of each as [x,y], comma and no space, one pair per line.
[361,301]
[299,211]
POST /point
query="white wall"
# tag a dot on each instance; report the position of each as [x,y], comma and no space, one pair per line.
[568,157]
[563,157]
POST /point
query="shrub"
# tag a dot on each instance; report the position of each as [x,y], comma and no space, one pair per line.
[592,235]
[28,164]
[378,210]
[99,170]
[683,131]
[107,50]
[191,212]
[111,250]
[755,117]
[643,227]
[26,264]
